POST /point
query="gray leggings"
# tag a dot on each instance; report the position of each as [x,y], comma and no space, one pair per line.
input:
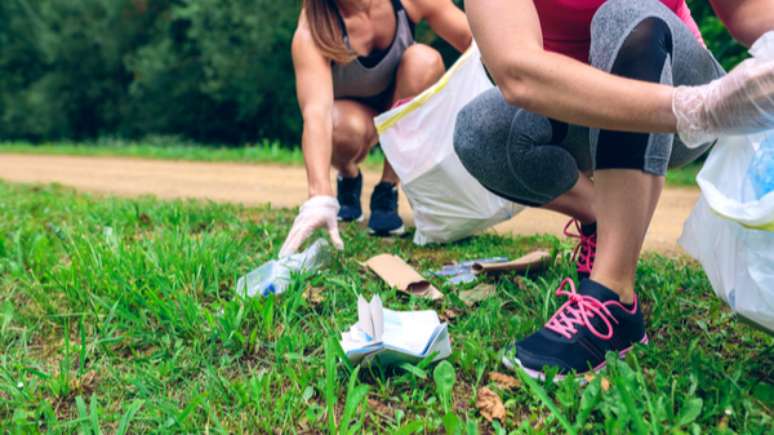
[531,159]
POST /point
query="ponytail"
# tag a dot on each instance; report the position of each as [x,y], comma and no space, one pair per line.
[325,26]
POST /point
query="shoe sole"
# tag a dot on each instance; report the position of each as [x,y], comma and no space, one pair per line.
[513,364]
[358,220]
[396,232]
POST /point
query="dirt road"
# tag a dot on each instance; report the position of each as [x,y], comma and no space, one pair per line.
[282,186]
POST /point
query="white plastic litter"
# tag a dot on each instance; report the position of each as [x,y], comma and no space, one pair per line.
[393,337]
[417,138]
[731,230]
[274,276]
[761,170]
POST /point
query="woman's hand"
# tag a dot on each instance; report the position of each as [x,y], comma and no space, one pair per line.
[317,212]
[740,103]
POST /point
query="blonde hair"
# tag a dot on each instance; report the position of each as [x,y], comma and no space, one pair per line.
[326,30]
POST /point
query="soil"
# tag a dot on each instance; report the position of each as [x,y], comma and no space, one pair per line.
[282,186]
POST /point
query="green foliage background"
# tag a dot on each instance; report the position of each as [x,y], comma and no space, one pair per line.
[207,70]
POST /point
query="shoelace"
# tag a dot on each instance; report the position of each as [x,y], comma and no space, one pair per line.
[578,311]
[586,249]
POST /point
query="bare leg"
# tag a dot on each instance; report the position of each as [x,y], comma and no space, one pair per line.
[354,134]
[577,203]
[622,224]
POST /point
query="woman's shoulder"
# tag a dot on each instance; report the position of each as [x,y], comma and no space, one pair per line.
[303,33]
[303,41]
[417,10]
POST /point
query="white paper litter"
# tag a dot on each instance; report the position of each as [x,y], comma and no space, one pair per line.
[394,336]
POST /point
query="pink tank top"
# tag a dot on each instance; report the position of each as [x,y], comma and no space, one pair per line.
[566,24]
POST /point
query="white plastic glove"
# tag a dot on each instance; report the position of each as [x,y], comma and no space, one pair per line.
[740,103]
[317,212]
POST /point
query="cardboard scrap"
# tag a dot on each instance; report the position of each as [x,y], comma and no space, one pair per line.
[398,274]
[533,262]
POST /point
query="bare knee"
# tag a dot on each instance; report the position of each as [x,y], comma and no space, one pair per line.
[420,67]
[353,136]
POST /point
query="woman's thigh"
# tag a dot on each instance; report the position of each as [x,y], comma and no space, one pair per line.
[513,152]
[645,40]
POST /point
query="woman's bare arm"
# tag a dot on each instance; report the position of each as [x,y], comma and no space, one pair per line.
[508,33]
[314,87]
[747,20]
[446,20]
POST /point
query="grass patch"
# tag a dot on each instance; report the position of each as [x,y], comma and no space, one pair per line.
[166,148]
[266,152]
[119,315]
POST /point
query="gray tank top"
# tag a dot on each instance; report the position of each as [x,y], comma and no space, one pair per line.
[371,76]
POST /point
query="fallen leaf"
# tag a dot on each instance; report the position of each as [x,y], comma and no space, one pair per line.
[85,383]
[504,381]
[380,408]
[604,383]
[489,405]
[314,295]
[449,315]
[477,294]
[144,219]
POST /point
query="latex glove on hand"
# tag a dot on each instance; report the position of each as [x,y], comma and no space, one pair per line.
[317,212]
[740,103]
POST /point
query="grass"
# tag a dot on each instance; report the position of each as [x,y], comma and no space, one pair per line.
[170,148]
[120,316]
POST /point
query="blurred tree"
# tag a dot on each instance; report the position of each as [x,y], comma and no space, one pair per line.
[209,70]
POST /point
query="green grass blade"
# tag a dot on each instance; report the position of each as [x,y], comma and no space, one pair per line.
[543,396]
[126,420]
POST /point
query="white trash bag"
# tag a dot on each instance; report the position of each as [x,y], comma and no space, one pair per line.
[417,138]
[731,230]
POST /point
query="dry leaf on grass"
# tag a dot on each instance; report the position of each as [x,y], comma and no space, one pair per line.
[449,315]
[489,405]
[477,294]
[604,383]
[504,381]
[85,383]
[380,408]
[314,295]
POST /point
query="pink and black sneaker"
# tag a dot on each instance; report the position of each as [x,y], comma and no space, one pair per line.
[586,250]
[590,324]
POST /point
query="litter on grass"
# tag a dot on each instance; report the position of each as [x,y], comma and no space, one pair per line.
[399,275]
[535,261]
[478,294]
[462,273]
[393,337]
[467,271]
[273,277]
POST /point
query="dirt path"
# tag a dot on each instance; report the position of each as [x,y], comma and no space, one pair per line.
[281,186]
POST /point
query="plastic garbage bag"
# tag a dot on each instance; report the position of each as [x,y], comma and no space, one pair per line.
[731,229]
[417,138]
[274,276]
[761,170]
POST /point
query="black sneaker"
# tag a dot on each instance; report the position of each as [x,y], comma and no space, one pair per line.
[590,324]
[348,191]
[385,220]
[585,251]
